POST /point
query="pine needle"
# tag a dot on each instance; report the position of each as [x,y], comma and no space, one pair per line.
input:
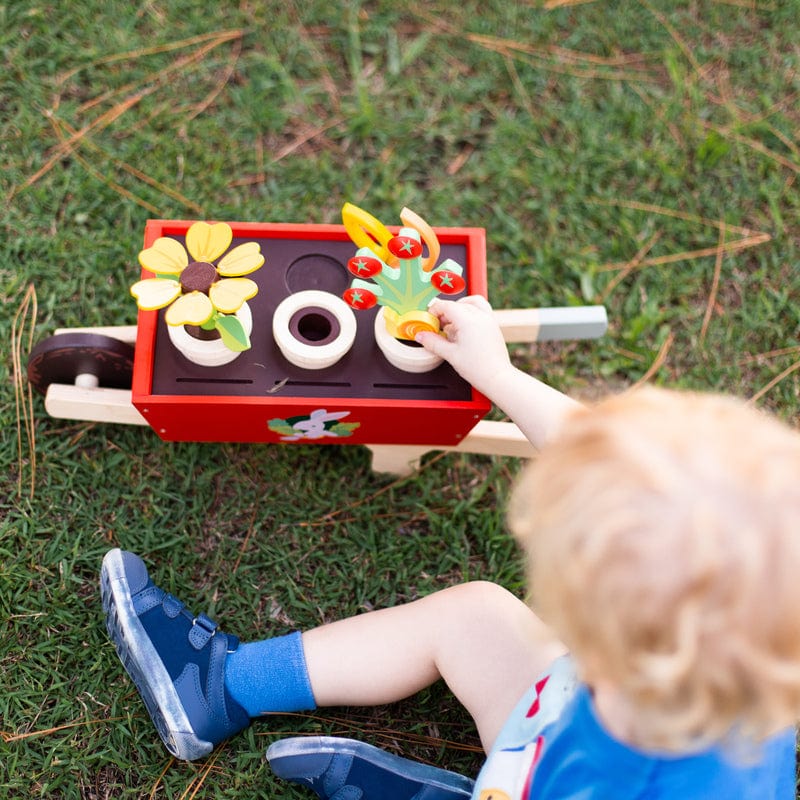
[775,381]
[659,360]
[712,295]
[23,396]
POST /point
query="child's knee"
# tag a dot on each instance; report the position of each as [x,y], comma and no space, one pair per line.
[485,596]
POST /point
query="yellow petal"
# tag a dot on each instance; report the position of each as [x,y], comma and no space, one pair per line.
[366,231]
[206,242]
[242,260]
[229,294]
[415,221]
[153,293]
[165,255]
[191,309]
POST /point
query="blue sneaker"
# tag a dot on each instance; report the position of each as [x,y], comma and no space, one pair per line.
[344,769]
[176,659]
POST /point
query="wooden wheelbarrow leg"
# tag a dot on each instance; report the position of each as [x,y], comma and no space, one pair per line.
[487,438]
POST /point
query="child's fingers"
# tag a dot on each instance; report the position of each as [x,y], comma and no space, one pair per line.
[478,301]
[452,311]
[439,308]
[433,343]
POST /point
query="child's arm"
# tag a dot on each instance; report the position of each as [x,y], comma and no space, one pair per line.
[474,346]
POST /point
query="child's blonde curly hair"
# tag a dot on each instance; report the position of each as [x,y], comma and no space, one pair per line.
[663,538]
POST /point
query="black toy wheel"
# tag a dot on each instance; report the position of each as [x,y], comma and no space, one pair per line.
[65,356]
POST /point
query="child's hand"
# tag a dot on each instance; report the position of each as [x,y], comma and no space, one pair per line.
[472,343]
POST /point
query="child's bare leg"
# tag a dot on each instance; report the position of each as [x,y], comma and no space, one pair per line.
[486,644]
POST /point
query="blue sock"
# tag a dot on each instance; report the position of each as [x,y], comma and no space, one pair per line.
[270,675]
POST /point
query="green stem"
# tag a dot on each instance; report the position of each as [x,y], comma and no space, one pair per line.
[212,322]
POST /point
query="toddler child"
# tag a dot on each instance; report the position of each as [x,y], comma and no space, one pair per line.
[662,537]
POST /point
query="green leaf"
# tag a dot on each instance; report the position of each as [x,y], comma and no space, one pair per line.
[233,334]
[280,426]
[344,429]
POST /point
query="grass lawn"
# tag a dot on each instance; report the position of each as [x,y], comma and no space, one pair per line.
[640,154]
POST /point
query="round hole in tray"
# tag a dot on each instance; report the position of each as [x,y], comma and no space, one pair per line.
[314,325]
[317,271]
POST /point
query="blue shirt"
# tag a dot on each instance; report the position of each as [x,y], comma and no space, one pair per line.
[553,747]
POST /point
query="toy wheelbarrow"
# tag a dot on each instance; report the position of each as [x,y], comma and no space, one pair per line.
[313,372]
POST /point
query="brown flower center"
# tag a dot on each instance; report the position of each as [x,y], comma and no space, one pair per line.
[198,277]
